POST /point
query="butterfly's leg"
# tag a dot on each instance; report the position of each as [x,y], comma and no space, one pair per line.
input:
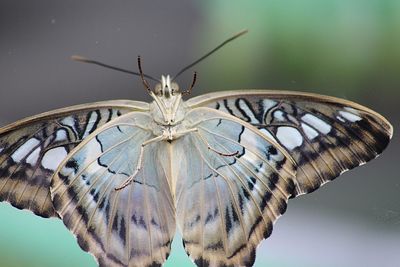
[184,132]
[215,150]
[129,180]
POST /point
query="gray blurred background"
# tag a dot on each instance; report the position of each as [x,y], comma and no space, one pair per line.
[344,48]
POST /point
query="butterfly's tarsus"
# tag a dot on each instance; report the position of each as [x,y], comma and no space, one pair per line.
[130,179]
[139,164]
[234,154]
[223,154]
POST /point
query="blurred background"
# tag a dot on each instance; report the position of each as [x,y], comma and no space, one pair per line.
[343,48]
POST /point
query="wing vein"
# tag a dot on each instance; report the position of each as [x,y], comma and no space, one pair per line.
[147,215]
[238,211]
[115,201]
[93,182]
[224,237]
[258,190]
[77,175]
[249,149]
[128,224]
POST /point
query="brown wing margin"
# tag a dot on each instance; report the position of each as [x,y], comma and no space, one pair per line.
[325,136]
[31,149]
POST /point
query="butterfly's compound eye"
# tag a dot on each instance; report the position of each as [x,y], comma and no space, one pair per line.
[158,89]
[174,88]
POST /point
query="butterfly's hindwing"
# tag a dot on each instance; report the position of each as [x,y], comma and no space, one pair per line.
[30,151]
[223,165]
[133,226]
[325,136]
[232,185]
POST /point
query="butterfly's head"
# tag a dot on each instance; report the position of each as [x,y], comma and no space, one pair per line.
[166,88]
[167,107]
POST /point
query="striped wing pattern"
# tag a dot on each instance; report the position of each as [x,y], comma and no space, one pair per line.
[227,204]
[133,226]
[30,151]
[324,135]
[225,180]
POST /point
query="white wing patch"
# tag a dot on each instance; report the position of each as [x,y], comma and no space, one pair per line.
[61,135]
[92,120]
[310,132]
[52,159]
[349,116]
[267,133]
[340,118]
[289,137]
[68,121]
[279,115]
[317,123]
[34,156]
[25,149]
[245,107]
[268,104]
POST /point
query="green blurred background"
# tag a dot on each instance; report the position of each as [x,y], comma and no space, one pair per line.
[344,48]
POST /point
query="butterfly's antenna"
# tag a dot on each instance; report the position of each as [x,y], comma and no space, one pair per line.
[211,52]
[188,91]
[85,60]
[145,83]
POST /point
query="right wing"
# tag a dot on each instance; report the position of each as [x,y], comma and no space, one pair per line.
[32,148]
[325,136]
[233,183]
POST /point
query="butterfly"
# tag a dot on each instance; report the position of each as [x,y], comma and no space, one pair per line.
[219,168]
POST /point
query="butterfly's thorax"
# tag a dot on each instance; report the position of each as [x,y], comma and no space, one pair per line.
[167,116]
[167,109]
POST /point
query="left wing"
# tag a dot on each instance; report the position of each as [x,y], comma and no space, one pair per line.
[32,148]
[133,226]
[232,183]
[326,136]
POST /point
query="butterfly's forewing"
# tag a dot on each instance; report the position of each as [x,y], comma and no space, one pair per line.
[325,136]
[31,149]
[232,184]
[133,226]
